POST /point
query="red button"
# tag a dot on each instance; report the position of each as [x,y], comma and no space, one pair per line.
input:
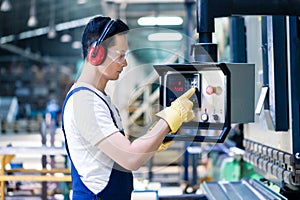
[210,90]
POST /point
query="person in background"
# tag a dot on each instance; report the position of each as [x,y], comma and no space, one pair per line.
[53,109]
[102,157]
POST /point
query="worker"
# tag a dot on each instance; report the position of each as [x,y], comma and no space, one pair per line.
[101,155]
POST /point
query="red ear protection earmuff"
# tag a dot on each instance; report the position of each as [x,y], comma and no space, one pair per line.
[97,53]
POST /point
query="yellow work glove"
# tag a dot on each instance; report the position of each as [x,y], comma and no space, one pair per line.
[180,111]
[165,145]
[184,111]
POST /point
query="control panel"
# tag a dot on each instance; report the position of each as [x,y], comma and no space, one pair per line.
[209,98]
[224,95]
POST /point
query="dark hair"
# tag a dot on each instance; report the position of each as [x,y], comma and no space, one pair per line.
[94,28]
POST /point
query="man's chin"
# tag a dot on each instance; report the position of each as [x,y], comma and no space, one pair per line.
[115,78]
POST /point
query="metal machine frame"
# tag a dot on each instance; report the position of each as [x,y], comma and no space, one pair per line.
[280,28]
[281,34]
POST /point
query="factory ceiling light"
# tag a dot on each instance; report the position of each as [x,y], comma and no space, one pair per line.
[5,6]
[160,21]
[32,21]
[81,1]
[160,37]
[76,45]
[66,37]
[52,31]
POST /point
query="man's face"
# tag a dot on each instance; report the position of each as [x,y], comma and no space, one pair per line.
[115,60]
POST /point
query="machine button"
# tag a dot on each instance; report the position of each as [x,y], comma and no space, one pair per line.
[215,117]
[210,90]
[204,117]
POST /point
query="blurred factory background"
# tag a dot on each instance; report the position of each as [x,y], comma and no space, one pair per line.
[41,49]
[40,58]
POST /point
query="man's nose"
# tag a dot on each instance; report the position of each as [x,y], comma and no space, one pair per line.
[124,62]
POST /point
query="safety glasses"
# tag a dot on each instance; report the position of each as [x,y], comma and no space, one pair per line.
[117,55]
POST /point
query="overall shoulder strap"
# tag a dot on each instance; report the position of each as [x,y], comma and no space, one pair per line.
[65,102]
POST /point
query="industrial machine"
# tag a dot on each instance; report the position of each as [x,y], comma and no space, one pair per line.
[259,89]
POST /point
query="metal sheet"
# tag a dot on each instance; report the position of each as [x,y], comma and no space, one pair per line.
[244,190]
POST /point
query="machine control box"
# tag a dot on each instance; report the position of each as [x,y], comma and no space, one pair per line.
[216,95]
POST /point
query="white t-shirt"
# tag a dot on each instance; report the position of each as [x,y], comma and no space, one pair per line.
[87,121]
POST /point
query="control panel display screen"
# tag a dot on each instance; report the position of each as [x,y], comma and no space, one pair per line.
[178,84]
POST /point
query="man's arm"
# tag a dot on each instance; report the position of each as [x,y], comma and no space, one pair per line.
[132,155]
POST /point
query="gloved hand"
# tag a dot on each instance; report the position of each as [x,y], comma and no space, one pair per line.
[164,146]
[180,111]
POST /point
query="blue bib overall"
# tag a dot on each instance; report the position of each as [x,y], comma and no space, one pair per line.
[120,183]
